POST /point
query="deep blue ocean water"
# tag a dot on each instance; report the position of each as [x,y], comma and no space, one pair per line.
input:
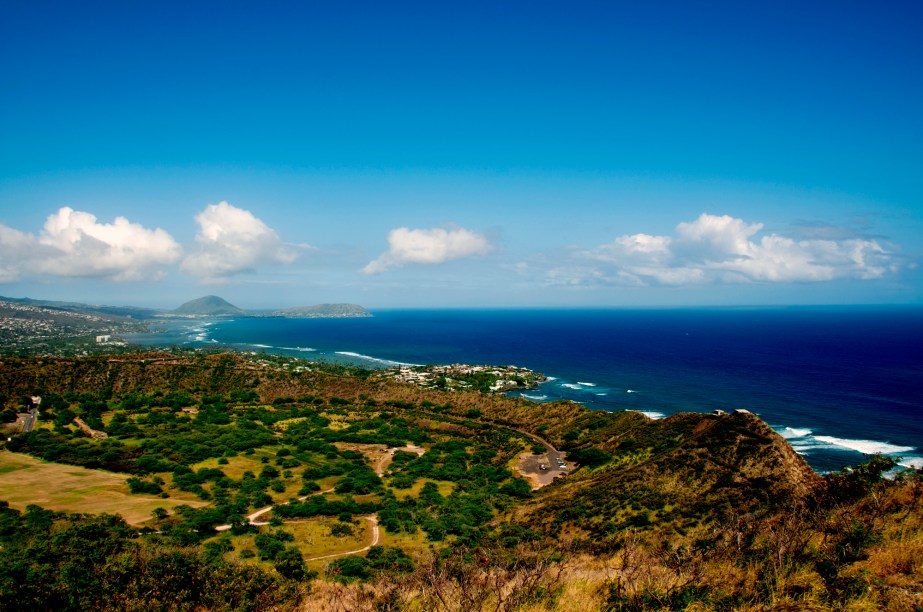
[839,383]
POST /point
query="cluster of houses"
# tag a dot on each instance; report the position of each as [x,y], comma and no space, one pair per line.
[460,376]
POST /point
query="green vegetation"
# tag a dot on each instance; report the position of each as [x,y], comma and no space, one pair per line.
[691,511]
[53,561]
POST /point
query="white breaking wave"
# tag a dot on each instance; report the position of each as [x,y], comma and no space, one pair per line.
[572,386]
[866,447]
[630,391]
[550,378]
[586,384]
[261,345]
[803,447]
[913,463]
[303,349]
[373,359]
[534,398]
[803,441]
[601,394]
[652,415]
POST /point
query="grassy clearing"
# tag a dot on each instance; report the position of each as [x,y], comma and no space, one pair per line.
[410,543]
[241,543]
[314,540]
[236,466]
[445,488]
[25,480]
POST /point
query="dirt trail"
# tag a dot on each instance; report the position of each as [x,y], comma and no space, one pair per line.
[251,518]
[373,521]
[385,460]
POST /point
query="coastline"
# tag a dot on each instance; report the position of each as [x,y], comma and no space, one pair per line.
[819,424]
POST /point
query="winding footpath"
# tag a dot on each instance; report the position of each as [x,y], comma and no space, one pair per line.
[380,466]
[252,518]
[373,521]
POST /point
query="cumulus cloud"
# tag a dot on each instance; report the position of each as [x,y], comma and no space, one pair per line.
[722,248]
[232,240]
[428,246]
[16,249]
[74,243]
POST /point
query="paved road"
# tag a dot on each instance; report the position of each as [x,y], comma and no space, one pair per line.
[28,421]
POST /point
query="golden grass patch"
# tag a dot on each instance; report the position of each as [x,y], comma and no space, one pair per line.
[236,466]
[26,480]
[411,543]
[314,540]
[445,488]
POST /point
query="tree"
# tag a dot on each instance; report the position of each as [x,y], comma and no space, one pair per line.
[290,563]
[589,457]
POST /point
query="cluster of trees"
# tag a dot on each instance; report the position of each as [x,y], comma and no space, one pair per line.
[379,560]
[53,561]
[482,489]
[451,461]
[320,505]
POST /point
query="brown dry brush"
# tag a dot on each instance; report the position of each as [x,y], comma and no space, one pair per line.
[651,572]
[483,579]
[859,543]
[491,578]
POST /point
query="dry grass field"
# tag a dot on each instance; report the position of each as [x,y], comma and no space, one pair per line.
[26,480]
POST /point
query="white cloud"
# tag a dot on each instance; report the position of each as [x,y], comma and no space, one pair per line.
[727,249]
[16,248]
[232,240]
[73,243]
[428,246]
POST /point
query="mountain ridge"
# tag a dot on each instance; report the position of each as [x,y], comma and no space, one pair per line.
[209,305]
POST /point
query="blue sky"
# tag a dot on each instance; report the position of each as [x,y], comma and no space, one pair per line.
[494,154]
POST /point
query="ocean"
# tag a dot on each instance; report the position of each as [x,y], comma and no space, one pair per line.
[838,383]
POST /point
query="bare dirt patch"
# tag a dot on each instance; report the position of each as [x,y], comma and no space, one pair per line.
[384,461]
[529,466]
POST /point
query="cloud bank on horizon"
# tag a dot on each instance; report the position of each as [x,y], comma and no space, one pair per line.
[725,249]
[233,242]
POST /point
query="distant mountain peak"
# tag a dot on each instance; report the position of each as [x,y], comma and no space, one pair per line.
[209,305]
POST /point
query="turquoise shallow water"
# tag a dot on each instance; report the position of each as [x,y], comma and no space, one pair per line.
[839,383]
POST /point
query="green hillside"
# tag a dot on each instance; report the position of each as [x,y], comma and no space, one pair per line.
[294,485]
[210,305]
